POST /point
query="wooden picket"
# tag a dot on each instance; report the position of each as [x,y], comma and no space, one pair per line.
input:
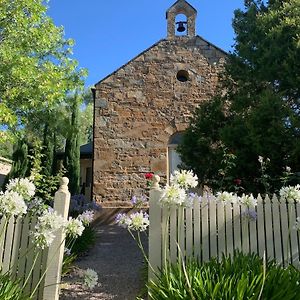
[17,253]
[210,229]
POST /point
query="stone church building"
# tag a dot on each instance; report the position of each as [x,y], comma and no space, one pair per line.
[141,108]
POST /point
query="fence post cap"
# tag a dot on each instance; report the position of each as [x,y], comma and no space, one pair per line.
[64,181]
[155,180]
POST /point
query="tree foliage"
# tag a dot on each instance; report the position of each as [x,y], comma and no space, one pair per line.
[36,69]
[20,160]
[256,112]
[38,78]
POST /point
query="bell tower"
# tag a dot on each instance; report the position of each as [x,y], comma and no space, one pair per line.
[185,25]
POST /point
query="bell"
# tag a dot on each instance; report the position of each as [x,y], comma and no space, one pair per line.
[181,27]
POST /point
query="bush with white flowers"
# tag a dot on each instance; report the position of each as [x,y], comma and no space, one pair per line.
[12,204]
[290,193]
[138,221]
[173,195]
[45,230]
[74,227]
[226,197]
[23,186]
[176,194]
[19,199]
[184,179]
[247,201]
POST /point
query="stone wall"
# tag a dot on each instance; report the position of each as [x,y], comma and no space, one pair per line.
[138,108]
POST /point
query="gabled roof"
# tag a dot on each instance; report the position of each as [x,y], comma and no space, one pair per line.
[154,45]
[114,72]
[183,2]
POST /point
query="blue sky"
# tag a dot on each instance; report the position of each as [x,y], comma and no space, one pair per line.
[110,33]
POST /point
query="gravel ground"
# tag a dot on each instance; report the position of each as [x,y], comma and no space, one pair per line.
[118,262]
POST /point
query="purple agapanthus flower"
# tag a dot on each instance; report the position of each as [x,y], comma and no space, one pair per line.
[79,204]
[250,214]
[139,200]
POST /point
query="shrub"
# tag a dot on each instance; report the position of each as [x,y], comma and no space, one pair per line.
[10,290]
[85,241]
[239,277]
[79,204]
[68,263]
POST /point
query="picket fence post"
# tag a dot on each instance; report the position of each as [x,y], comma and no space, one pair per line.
[56,249]
[155,229]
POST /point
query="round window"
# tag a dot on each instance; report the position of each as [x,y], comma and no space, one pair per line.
[182,76]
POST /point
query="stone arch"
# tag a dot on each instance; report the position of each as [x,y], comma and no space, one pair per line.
[181,19]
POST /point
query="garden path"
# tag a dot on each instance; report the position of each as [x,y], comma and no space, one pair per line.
[118,262]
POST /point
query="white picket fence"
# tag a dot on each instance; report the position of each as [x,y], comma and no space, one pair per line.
[210,229]
[17,255]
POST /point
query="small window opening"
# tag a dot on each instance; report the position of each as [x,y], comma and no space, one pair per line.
[181,25]
[182,76]
[174,161]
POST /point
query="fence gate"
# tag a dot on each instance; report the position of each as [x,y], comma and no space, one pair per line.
[211,228]
[17,255]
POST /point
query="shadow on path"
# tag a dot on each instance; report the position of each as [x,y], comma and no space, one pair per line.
[119,264]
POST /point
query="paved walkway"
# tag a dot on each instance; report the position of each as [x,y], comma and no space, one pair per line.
[118,262]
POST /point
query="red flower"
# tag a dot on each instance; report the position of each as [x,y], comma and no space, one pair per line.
[237,181]
[149,176]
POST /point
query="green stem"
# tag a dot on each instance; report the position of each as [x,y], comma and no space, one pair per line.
[264,276]
[31,269]
[166,233]
[185,274]
[140,245]
[18,260]
[289,235]
[72,242]
[180,215]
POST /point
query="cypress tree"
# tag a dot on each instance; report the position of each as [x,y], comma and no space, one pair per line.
[20,167]
[72,150]
[47,152]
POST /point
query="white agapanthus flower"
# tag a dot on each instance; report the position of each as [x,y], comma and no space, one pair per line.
[90,278]
[226,197]
[45,229]
[12,204]
[185,179]
[86,217]
[139,221]
[43,238]
[22,186]
[50,220]
[123,220]
[173,195]
[248,201]
[290,193]
[74,227]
